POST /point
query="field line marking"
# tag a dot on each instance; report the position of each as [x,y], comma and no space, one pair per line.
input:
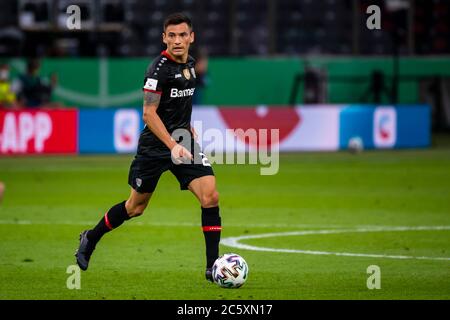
[234,242]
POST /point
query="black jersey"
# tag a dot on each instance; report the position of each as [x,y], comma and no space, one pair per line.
[175,82]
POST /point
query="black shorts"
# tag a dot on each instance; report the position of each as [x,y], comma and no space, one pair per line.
[145,170]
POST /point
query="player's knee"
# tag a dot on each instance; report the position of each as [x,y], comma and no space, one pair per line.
[210,199]
[138,210]
[135,214]
[135,210]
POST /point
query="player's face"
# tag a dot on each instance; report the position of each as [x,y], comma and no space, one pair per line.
[178,38]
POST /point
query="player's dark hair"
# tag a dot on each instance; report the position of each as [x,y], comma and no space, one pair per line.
[177,18]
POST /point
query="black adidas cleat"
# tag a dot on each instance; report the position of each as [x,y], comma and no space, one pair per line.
[208,275]
[84,252]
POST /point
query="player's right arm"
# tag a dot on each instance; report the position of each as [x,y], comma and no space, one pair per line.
[155,124]
[153,121]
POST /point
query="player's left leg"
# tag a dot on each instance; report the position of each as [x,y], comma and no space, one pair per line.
[204,188]
[199,178]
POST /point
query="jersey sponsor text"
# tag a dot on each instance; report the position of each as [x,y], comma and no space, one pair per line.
[175,93]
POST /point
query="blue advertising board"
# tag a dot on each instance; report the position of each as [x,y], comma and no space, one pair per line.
[109,130]
[403,126]
[379,127]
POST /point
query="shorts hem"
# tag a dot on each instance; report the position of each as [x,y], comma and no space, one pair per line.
[185,185]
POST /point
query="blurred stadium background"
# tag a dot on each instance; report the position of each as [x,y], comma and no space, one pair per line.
[311,69]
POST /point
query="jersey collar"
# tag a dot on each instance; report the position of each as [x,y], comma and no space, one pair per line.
[167,55]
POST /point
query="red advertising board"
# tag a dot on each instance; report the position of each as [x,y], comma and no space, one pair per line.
[38,131]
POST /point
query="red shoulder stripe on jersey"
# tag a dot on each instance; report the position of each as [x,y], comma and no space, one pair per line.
[157,92]
[167,55]
[212,228]
[108,224]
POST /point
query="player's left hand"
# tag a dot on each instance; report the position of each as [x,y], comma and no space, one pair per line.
[180,155]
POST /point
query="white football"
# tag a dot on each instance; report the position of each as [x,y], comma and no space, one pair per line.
[355,145]
[230,271]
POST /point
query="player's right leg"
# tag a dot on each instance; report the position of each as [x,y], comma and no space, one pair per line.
[143,177]
[113,218]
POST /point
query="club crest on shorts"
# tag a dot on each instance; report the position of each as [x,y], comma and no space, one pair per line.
[186,74]
[138,182]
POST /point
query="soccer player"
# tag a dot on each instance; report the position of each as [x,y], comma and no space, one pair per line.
[169,85]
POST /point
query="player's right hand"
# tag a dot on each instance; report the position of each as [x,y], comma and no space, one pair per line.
[180,154]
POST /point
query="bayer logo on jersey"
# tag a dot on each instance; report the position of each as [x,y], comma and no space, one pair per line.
[126,130]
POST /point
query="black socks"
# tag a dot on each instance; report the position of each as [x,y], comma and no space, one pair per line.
[212,226]
[112,219]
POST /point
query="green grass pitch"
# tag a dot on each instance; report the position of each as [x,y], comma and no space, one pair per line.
[160,255]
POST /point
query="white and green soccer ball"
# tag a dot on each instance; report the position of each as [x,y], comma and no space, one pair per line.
[355,145]
[230,271]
